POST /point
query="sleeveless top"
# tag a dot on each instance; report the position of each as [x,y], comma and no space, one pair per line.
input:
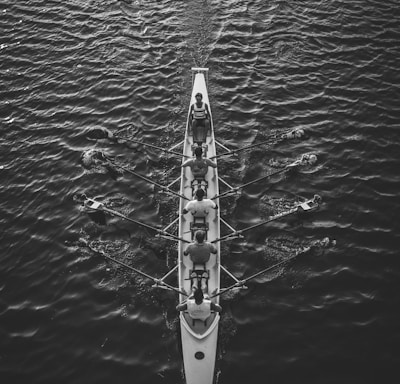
[199,113]
[199,208]
[199,312]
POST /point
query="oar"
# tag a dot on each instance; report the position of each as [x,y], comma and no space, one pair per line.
[309,205]
[162,187]
[233,190]
[97,206]
[155,280]
[288,135]
[241,283]
[151,146]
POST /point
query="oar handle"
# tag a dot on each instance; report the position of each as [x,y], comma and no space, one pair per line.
[226,193]
[230,236]
[169,236]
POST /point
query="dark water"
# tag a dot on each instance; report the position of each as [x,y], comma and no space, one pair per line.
[329,67]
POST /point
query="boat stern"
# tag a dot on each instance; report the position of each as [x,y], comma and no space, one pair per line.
[199,351]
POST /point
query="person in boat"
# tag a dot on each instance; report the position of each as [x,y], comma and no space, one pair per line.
[199,206]
[200,250]
[199,165]
[199,119]
[199,306]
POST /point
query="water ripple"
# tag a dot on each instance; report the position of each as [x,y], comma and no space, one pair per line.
[330,68]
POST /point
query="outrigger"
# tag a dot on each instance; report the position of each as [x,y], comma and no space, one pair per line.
[199,337]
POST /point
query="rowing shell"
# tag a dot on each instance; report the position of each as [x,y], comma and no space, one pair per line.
[199,339]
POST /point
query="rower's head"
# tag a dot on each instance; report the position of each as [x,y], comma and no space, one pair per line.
[199,194]
[198,152]
[198,296]
[199,236]
[198,96]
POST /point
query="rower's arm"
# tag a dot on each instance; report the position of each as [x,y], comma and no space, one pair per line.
[187,163]
[216,307]
[187,208]
[191,112]
[212,204]
[208,111]
[210,163]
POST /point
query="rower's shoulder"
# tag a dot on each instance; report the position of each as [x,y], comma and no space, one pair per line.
[210,162]
[188,162]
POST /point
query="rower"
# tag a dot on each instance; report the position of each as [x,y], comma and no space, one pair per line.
[200,250]
[199,119]
[199,306]
[199,208]
[199,165]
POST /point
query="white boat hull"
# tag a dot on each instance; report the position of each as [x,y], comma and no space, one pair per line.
[199,339]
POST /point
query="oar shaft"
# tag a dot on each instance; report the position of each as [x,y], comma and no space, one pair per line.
[162,187]
[276,265]
[159,231]
[115,213]
[264,177]
[272,218]
[234,151]
[151,146]
[271,140]
[252,182]
[244,281]
[157,281]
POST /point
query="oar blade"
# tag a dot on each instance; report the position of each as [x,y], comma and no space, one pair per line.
[98,217]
